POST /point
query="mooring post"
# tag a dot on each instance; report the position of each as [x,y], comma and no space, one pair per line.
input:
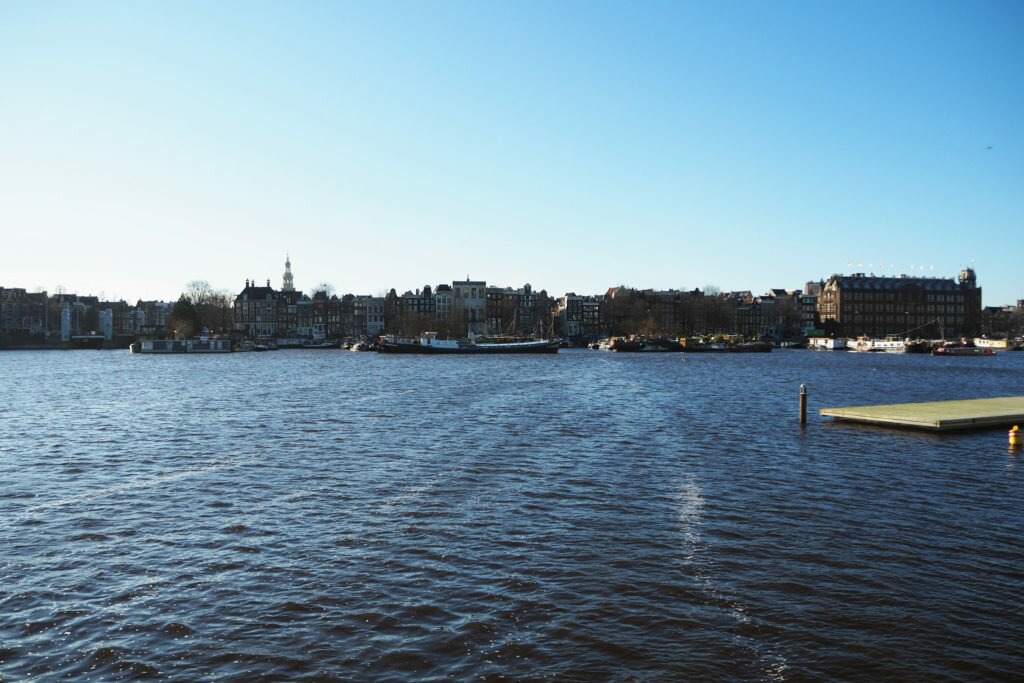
[803,404]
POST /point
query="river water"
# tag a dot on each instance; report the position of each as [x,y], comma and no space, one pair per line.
[324,515]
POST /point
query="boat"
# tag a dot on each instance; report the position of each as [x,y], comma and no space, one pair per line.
[723,345]
[994,344]
[635,344]
[887,345]
[956,350]
[430,344]
[751,347]
[321,345]
[201,345]
[827,343]
[87,341]
[918,346]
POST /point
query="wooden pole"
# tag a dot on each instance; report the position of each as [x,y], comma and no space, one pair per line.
[803,404]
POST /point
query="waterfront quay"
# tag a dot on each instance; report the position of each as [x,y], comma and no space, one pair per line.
[841,306]
[573,516]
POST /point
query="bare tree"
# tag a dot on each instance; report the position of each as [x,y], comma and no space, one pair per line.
[212,307]
[199,292]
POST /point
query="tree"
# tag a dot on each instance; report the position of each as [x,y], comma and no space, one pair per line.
[787,317]
[210,308]
[218,313]
[198,292]
[185,320]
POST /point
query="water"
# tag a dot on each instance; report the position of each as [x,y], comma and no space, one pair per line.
[323,515]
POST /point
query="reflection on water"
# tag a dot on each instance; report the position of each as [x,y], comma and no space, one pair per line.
[328,515]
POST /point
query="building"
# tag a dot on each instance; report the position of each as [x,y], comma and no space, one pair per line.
[808,304]
[123,319]
[1002,322]
[512,311]
[23,314]
[328,315]
[570,316]
[367,317]
[260,312]
[579,317]
[903,306]
[469,306]
[776,314]
[443,297]
[152,318]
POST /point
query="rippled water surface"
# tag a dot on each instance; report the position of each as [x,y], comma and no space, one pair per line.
[330,515]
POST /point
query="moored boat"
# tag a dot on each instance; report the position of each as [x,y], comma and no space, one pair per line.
[827,343]
[725,345]
[751,347]
[918,346]
[634,344]
[887,345]
[994,344]
[963,351]
[430,344]
[202,345]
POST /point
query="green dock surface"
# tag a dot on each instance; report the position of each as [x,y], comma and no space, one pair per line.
[940,416]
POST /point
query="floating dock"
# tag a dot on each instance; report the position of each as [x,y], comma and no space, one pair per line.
[940,416]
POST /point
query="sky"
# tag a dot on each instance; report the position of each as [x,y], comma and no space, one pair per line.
[574,146]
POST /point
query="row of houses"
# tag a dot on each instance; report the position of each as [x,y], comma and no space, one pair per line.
[261,312]
[40,319]
[842,305]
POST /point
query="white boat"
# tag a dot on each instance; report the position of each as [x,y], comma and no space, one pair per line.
[890,345]
[429,343]
[994,344]
[202,345]
[827,344]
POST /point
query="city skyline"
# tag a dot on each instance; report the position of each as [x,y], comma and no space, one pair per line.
[317,283]
[574,147]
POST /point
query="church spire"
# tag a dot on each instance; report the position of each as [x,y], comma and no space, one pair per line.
[288,285]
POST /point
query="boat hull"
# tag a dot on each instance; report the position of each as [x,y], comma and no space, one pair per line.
[720,347]
[190,346]
[962,351]
[469,349]
[645,345]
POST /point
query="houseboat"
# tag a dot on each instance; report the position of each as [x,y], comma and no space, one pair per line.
[201,345]
[430,344]
[634,344]
[723,345]
[887,345]
[997,344]
[827,344]
[958,350]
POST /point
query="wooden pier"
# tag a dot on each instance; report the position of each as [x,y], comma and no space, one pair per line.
[940,416]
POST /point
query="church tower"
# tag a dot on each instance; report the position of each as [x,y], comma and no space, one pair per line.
[289,284]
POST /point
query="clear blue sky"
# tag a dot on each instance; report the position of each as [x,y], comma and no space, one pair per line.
[572,145]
